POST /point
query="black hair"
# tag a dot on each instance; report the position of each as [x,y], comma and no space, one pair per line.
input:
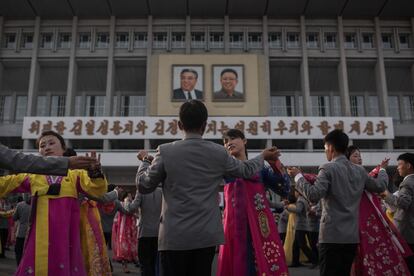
[111,187]
[407,157]
[70,152]
[188,70]
[193,115]
[338,139]
[235,133]
[51,133]
[229,70]
[350,150]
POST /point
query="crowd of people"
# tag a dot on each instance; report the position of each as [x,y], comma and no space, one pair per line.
[344,219]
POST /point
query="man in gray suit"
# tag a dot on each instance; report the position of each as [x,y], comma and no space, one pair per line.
[339,186]
[404,216]
[20,162]
[149,206]
[191,171]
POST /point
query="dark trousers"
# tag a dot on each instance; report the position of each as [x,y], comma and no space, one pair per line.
[4,233]
[108,240]
[410,260]
[282,237]
[300,244]
[18,249]
[147,255]
[313,240]
[336,259]
[187,262]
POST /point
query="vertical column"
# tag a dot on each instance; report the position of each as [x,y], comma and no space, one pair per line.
[304,70]
[33,77]
[381,77]
[226,34]
[265,39]
[148,110]
[187,35]
[110,75]
[343,72]
[71,88]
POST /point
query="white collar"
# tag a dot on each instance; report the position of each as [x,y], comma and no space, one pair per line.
[408,176]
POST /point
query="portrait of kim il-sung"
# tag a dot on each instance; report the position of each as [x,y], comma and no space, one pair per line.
[187,82]
[228,83]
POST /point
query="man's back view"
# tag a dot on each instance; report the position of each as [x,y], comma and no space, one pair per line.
[191,171]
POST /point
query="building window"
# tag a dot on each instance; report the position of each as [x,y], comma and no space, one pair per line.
[84,40]
[216,40]
[236,40]
[78,106]
[160,40]
[312,40]
[41,106]
[320,105]
[408,106]
[178,40]
[405,42]
[133,106]
[95,105]
[367,40]
[330,40]
[275,40]
[64,40]
[10,41]
[387,41]
[5,108]
[46,41]
[394,107]
[140,40]
[57,107]
[255,40]
[336,106]
[198,40]
[21,106]
[357,106]
[27,41]
[283,106]
[102,40]
[293,40]
[122,40]
[350,41]
[373,106]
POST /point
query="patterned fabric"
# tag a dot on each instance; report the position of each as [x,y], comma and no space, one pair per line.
[94,249]
[124,238]
[252,246]
[380,251]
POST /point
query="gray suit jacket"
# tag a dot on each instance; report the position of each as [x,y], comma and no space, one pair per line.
[404,216]
[150,207]
[339,186]
[20,162]
[191,171]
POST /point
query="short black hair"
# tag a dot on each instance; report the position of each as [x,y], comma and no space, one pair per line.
[51,133]
[193,114]
[188,70]
[234,133]
[407,157]
[229,70]
[338,139]
[350,150]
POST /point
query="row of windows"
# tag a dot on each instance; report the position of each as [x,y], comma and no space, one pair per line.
[88,105]
[216,40]
[400,108]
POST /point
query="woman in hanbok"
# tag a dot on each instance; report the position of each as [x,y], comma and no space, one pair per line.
[94,251]
[125,236]
[252,243]
[382,249]
[53,244]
